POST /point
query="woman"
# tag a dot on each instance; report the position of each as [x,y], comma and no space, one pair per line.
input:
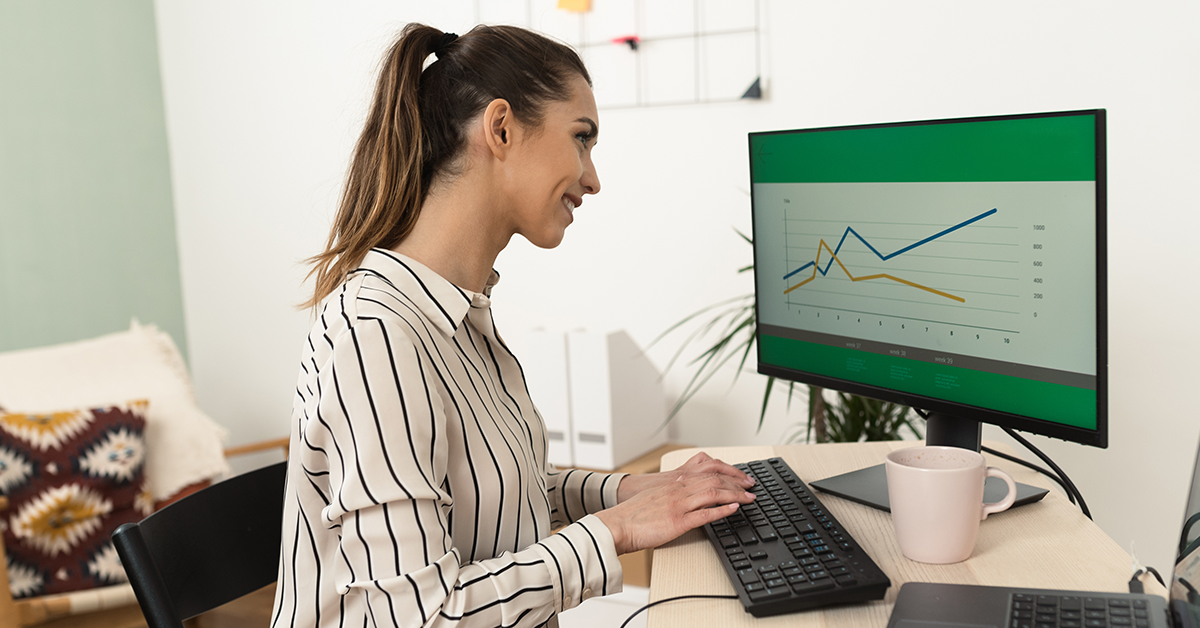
[418,489]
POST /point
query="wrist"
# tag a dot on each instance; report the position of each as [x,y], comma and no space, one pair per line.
[629,486]
[612,522]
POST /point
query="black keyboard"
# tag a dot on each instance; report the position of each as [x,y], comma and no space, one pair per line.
[785,553]
[1068,611]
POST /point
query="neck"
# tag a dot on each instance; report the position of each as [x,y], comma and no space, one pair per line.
[455,235]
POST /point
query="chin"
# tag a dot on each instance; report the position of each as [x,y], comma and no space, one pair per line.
[546,240]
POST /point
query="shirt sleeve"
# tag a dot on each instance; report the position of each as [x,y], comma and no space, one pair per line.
[382,427]
[575,493]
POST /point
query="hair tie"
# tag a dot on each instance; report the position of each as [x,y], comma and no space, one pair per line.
[446,40]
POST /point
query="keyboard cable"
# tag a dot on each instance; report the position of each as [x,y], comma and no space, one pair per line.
[673,599]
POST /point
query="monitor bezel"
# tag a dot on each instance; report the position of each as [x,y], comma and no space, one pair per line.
[1097,437]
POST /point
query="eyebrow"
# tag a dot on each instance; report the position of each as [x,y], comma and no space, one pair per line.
[595,128]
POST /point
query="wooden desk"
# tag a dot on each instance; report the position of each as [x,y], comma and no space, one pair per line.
[1049,544]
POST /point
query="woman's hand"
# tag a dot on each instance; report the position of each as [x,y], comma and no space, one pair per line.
[663,506]
[699,464]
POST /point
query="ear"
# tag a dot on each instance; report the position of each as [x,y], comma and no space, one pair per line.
[498,126]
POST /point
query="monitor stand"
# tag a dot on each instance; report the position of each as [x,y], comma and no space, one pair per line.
[869,486]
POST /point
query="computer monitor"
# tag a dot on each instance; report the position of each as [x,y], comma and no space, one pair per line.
[956,266]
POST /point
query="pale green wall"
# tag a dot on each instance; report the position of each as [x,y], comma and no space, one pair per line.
[87,229]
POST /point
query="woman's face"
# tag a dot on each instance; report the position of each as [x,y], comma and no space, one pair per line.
[553,167]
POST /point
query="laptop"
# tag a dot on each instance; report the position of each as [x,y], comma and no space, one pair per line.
[929,605]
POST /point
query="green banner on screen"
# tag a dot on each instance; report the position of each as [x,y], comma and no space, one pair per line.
[1066,405]
[1054,148]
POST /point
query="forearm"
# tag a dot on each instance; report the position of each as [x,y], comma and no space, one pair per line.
[528,586]
[574,493]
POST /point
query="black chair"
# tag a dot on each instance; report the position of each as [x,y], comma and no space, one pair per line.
[206,549]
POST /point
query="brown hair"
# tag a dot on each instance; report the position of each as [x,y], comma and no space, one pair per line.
[415,129]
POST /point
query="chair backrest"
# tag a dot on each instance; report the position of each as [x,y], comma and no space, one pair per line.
[206,549]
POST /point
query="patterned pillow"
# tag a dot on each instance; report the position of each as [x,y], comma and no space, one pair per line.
[71,478]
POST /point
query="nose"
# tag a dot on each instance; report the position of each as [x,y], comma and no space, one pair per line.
[590,180]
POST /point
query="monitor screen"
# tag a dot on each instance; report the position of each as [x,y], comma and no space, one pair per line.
[956,266]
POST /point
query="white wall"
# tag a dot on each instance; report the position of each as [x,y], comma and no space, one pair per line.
[264,99]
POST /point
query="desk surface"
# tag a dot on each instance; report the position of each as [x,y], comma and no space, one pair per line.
[1049,544]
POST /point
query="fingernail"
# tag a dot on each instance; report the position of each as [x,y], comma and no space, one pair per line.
[733,506]
[751,495]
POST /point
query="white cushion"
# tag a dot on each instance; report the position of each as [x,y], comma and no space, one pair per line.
[183,444]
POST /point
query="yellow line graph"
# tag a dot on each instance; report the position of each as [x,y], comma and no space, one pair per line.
[825,247]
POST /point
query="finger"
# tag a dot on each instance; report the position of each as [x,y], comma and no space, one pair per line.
[697,518]
[718,466]
[703,480]
[712,496]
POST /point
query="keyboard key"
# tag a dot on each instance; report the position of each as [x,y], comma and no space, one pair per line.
[758,556]
[766,534]
[775,582]
[1093,603]
[769,594]
[746,536]
[845,581]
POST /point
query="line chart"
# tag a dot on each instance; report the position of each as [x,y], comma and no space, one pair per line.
[815,264]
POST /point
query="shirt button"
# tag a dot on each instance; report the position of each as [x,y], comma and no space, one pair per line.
[587,594]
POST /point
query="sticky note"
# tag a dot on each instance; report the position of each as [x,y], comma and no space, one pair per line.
[578,6]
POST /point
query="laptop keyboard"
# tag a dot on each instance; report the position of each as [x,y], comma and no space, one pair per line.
[1064,611]
[785,553]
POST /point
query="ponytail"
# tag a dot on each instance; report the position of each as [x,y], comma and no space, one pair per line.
[415,129]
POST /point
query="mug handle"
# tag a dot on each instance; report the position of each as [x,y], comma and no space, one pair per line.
[1007,502]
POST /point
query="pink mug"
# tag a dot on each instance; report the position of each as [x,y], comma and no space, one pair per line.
[936,496]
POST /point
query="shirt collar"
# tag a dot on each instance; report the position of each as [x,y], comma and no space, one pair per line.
[442,302]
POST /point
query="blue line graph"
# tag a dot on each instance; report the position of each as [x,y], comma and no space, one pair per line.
[850,230]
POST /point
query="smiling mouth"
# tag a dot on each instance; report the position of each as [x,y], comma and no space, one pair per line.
[570,205]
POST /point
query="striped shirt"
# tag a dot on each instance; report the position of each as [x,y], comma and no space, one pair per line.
[418,490]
